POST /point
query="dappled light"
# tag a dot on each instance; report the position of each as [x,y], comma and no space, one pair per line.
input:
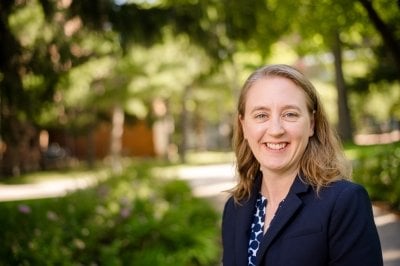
[117,118]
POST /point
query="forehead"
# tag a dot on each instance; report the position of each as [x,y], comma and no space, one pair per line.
[275,91]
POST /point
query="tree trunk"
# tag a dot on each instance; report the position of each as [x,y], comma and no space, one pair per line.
[116,138]
[387,35]
[21,153]
[344,120]
[184,124]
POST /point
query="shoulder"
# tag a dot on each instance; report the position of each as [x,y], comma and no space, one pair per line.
[231,205]
[230,209]
[233,208]
[344,188]
[344,196]
[348,198]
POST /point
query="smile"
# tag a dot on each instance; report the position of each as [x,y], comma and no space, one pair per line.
[276,146]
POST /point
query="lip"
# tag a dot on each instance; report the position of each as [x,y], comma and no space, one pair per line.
[276,146]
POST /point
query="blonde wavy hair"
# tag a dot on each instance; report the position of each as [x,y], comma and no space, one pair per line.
[323,161]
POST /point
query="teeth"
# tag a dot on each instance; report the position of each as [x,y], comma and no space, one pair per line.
[276,146]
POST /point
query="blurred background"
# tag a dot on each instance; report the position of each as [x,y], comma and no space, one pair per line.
[117,88]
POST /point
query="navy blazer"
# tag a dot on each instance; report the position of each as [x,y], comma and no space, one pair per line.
[335,227]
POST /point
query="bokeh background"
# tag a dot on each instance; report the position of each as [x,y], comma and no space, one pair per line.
[126,92]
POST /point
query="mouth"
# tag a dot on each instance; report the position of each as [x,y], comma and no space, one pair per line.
[276,146]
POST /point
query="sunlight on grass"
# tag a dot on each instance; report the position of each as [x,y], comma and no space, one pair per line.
[40,176]
[210,157]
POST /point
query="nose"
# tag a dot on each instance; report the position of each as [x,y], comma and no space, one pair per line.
[275,127]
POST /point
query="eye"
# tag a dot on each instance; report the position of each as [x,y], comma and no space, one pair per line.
[290,116]
[261,116]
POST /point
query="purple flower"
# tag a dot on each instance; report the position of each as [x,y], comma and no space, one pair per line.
[22,208]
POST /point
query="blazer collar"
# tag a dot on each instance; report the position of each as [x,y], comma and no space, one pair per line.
[245,214]
[283,215]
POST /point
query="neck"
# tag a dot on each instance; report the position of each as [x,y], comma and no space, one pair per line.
[275,188]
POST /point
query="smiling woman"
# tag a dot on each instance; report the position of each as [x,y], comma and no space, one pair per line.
[277,124]
[293,204]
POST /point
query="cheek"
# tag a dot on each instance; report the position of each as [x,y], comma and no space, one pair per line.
[252,132]
[300,133]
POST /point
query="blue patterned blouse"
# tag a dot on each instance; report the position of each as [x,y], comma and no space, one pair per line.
[257,228]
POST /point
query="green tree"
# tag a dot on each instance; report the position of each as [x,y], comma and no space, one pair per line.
[387,30]
[347,26]
[383,75]
[56,51]
[33,57]
[67,35]
[322,28]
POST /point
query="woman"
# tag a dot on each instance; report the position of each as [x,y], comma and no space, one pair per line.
[293,204]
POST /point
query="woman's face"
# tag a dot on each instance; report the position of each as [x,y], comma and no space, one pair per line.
[277,124]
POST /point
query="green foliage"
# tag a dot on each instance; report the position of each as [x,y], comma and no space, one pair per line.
[132,219]
[378,169]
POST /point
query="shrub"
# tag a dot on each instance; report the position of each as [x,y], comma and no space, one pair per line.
[132,219]
[378,169]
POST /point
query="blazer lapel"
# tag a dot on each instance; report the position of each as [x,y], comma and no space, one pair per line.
[283,215]
[244,216]
[243,224]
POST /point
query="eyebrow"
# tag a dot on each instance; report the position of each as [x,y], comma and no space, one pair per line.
[285,107]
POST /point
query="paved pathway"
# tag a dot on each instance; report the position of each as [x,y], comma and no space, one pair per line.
[49,188]
[207,182]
